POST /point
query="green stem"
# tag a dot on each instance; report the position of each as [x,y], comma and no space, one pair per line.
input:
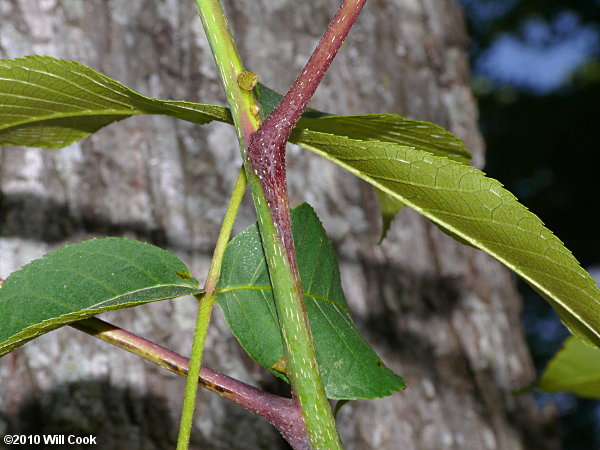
[206,302]
[234,203]
[205,305]
[299,349]
[230,68]
[266,157]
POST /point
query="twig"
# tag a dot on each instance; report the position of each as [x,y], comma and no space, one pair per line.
[283,413]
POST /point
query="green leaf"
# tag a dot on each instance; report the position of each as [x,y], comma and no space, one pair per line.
[51,103]
[478,210]
[349,367]
[82,280]
[391,128]
[378,127]
[269,99]
[394,129]
[575,368]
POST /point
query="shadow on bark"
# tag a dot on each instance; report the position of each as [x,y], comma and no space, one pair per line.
[34,217]
[124,419]
[118,418]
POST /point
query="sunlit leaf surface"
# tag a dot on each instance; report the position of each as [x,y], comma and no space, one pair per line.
[476,210]
[82,280]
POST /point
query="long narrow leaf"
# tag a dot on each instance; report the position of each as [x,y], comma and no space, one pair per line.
[380,127]
[376,127]
[50,103]
[478,210]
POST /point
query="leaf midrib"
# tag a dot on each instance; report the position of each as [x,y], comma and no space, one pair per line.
[105,301]
[105,112]
[355,121]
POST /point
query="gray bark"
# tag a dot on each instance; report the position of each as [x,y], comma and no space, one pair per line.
[442,315]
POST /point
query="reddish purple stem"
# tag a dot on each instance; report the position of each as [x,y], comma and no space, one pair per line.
[283,413]
[266,149]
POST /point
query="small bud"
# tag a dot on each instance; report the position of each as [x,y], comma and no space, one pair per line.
[254,109]
[280,366]
[247,80]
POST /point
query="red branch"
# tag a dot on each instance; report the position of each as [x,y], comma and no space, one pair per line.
[283,413]
[266,149]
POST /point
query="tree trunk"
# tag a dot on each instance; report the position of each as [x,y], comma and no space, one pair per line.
[444,316]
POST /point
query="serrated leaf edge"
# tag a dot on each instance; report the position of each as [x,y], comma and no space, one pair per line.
[476,243]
